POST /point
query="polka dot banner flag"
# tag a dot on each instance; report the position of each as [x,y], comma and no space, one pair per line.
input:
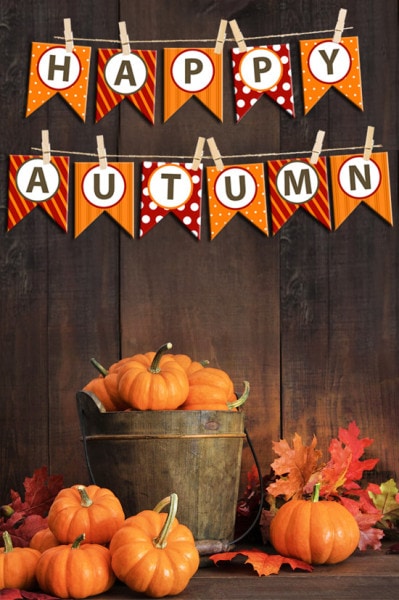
[262,70]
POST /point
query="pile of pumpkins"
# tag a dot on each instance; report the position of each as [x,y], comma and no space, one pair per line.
[89,543]
[164,381]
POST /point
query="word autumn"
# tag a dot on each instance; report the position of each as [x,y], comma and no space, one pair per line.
[189,72]
[176,188]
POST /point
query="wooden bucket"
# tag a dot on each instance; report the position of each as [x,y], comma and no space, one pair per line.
[143,456]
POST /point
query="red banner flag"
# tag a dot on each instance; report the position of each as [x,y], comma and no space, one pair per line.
[355,180]
[262,70]
[54,70]
[192,72]
[108,190]
[171,187]
[33,183]
[298,184]
[130,76]
[237,189]
[327,64]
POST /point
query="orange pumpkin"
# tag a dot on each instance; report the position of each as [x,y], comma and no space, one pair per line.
[105,387]
[75,570]
[17,565]
[188,364]
[153,553]
[212,389]
[153,381]
[93,510]
[43,539]
[314,531]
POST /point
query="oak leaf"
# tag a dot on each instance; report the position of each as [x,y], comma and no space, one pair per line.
[263,563]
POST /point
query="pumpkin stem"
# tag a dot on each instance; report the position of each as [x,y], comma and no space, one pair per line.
[78,541]
[86,501]
[99,367]
[242,399]
[8,547]
[154,367]
[316,493]
[160,540]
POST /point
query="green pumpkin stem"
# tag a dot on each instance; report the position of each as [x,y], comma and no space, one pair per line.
[102,370]
[172,500]
[242,399]
[8,547]
[78,541]
[85,500]
[316,493]
[154,367]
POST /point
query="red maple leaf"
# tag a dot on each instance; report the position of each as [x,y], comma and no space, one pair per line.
[263,564]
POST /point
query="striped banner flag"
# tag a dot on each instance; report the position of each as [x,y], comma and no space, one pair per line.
[295,184]
[130,76]
[32,183]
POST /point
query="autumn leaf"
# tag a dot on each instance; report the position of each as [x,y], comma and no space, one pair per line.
[263,564]
[16,594]
[367,516]
[386,500]
[294,466]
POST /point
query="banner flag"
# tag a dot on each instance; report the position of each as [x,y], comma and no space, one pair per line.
[355,180]
[298,183]
[237,189]
[262,70]
[130,76]
[33,183]
[192,72]
[109,190]
[171,187]
[54,70]
[326,64]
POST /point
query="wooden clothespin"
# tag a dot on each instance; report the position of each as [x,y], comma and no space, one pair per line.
[199,151]
[317,147]
[102,154]
[368,146]
[221,36]
[124,38]
[68,35]
[215,154]
[239,38]
[46,153]
[340,26]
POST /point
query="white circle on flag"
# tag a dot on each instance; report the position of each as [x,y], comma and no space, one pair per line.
[261,69]
[297,182]
[235,188]
[37,181]
[125,73]
[170,186]
[329,62]
[192,70]
[103,188]
[359,178]
[59,69]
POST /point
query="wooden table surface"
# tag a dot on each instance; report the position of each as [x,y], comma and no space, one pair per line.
[370,575]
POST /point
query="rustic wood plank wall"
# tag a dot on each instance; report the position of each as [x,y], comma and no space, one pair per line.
[308,316]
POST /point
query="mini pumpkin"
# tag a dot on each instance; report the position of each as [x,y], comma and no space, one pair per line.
[153,553]
[317,532]
[17,565]
[188,364]
[93,510]
[212,389]
[43,539]
[105,387]
[75,570]
[153,381]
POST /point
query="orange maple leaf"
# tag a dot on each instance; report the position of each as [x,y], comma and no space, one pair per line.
[295,466]
[263,563]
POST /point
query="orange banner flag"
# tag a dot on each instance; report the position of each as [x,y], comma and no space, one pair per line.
[130,76]
[327,64]
[355,180]
[54,70]
[192,72]
[108,190]
[33,183]
[237,189]
[295,184]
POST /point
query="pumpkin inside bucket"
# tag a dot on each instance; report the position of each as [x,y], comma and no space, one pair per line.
[143,456]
